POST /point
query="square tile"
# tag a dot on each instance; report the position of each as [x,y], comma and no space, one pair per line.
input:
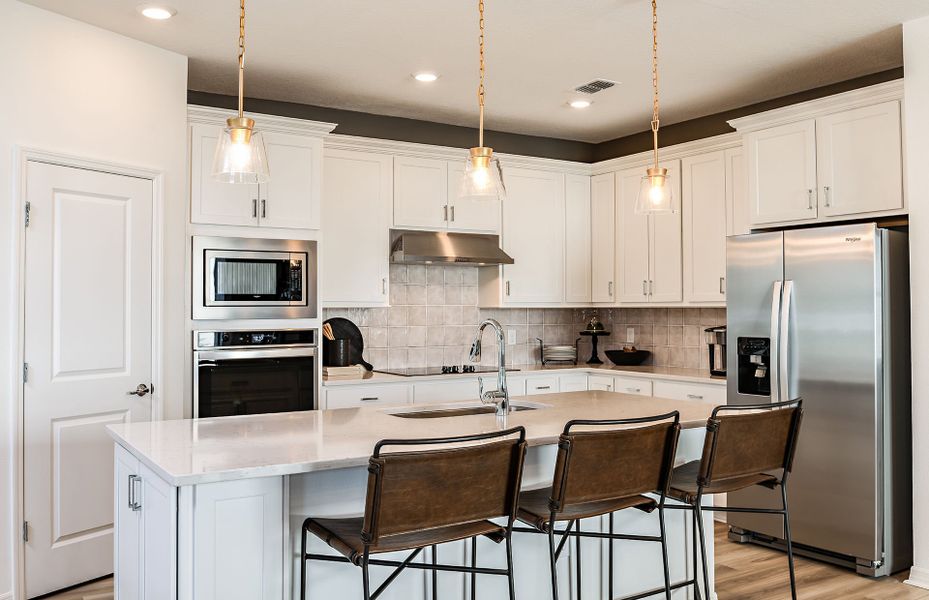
[468,275]
[469,295]
[398,273]
[435,315]
[452,275]
[416,357]
[397,294]
[435,336]
[435,275]
[435,294]
[398,316]
[376,337]
[453,294]
[416,336]
[452,315]
[416,295]
[416,274]
[416,315]
[398,337]
[397,358]
[691,335]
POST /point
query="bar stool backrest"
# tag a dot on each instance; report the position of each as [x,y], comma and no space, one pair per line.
[758,438]
[414,491]
[608,464]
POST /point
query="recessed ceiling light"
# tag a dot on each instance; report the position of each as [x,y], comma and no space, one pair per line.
[579,103]
[157,12]
[425,77]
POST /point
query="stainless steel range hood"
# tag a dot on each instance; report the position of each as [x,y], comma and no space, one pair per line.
[425,247]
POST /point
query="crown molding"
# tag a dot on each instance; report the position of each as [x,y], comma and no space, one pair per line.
[874,94]
[412,149]
[710,144]
[208,115]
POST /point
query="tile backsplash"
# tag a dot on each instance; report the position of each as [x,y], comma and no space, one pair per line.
[433,317]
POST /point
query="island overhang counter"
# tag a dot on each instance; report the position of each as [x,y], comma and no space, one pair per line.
[213,508]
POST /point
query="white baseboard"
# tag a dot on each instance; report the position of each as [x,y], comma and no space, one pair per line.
[919,577]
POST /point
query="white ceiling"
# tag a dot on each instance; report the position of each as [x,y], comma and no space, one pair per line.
[359,54]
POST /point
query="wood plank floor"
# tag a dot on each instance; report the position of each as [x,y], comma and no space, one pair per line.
[743,572]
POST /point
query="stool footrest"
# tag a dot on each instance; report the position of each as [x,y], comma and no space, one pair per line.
[424,566]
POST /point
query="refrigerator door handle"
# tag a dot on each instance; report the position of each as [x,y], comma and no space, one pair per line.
[774,349]
[783,360]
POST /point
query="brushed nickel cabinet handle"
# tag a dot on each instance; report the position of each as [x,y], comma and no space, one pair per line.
[695,396]
[722,285]
[453,213]
[827,195]
[645,287]
[254,208]
[135,502]
[384,286]
[370,399]
[507,288]
[264,208]
[445,213]
[609,289]
[810,194]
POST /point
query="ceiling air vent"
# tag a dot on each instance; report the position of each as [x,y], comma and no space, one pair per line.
[597,85]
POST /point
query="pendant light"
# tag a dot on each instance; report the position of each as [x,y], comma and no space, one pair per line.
[655,195]
[483,177]
[240,154]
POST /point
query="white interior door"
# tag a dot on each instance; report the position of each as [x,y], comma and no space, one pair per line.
[88,341]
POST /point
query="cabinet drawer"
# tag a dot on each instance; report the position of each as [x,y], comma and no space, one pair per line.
[353,396]
[457,390]
[541,385]
[600,383]
[573,383]
[715,394]
[632,385]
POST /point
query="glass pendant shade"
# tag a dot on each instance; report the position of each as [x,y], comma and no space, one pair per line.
[655,194]
[241,156]
[483,177]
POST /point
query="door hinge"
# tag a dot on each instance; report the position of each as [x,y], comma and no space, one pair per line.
[27,212]
[25,531]
[25,372]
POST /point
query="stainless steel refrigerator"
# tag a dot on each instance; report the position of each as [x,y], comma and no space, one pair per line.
[823,314]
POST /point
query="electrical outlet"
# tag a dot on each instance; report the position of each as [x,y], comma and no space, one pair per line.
[630,335]
[511,337]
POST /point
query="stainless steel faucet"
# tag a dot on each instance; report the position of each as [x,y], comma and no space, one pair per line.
[499,397]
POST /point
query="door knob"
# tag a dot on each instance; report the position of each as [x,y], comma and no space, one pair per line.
[141,390]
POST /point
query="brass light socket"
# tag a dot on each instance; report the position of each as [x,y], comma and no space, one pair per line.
[240,129]
[480,156]
[657,173]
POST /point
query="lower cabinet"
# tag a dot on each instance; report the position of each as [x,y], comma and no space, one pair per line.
[573,383]
[354,396]
[547,384]
[145,549]
[632,385]
[700,392]
[601,383]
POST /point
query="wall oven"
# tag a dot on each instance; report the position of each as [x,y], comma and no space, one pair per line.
[242,278]
[254,372]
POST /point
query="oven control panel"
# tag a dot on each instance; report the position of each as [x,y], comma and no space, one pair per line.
[249,339]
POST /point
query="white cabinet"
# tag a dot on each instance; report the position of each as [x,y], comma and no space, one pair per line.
[825,167]
[290,199]
[648,246]
[355,253]
[704,211]
[356,396]
[145,550]
[859,160]
[533,234]
[577,221]
[736,193]
[426,197]
[573,383]
[545,384]
[632,385]
[601,383]
[453,390]
[603,237]
[701,392]
[782,173]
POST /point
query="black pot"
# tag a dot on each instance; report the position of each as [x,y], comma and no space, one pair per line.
[337,353]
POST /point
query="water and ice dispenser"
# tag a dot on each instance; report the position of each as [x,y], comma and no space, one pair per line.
[754,371]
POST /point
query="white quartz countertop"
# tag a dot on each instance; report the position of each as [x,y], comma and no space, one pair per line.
[649,372]
[188,452]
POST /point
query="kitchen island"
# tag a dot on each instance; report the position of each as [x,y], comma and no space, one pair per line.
[212,508]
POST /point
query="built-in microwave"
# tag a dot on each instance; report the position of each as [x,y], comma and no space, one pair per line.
[244,278]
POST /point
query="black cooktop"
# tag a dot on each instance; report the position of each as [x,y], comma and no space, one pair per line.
[446,370]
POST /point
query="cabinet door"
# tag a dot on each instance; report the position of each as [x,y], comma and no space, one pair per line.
[356,210]
[213,202]
[469,214]
[573,383]
[456,390]
[665,260]
[577,239]
[703,207]
[631,239]
[600,383]
[127,549]
[356,396]
[859,160]
[736,193]
[541,385]
[782,173]
[676,390]
[603,237]
[420,193]
[631,385]
[159,532]
[533,234]
[291,196]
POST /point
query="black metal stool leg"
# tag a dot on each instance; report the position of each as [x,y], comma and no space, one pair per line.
[706,573]
[790,547]
[577,564]
[693,537]
[302,563]
[509,566]
[610,570]
[435,574]
[664,553]
[551,552]
[365,577]
[473,564]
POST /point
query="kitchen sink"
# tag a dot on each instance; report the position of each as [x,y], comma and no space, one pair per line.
[460,410]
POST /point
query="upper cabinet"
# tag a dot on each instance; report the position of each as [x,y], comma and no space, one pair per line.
[603,237]
[577,224]
[705,214]
[648,246]
[826,160]
[426,197]
[290,199]
[356,209]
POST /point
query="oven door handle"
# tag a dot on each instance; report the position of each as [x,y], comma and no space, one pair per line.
[214,355]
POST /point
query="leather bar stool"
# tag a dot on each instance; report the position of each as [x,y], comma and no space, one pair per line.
[600,471]
[422,498]
[751,445]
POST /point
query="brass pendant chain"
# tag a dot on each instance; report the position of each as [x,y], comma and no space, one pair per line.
[480,87]
[241,58]
[655,120]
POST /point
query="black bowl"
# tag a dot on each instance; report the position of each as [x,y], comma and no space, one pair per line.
[627,359]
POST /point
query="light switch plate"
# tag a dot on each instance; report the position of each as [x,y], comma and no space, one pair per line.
[511,337]
[630,335]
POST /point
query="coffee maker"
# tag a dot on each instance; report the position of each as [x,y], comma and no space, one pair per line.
[716,344]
